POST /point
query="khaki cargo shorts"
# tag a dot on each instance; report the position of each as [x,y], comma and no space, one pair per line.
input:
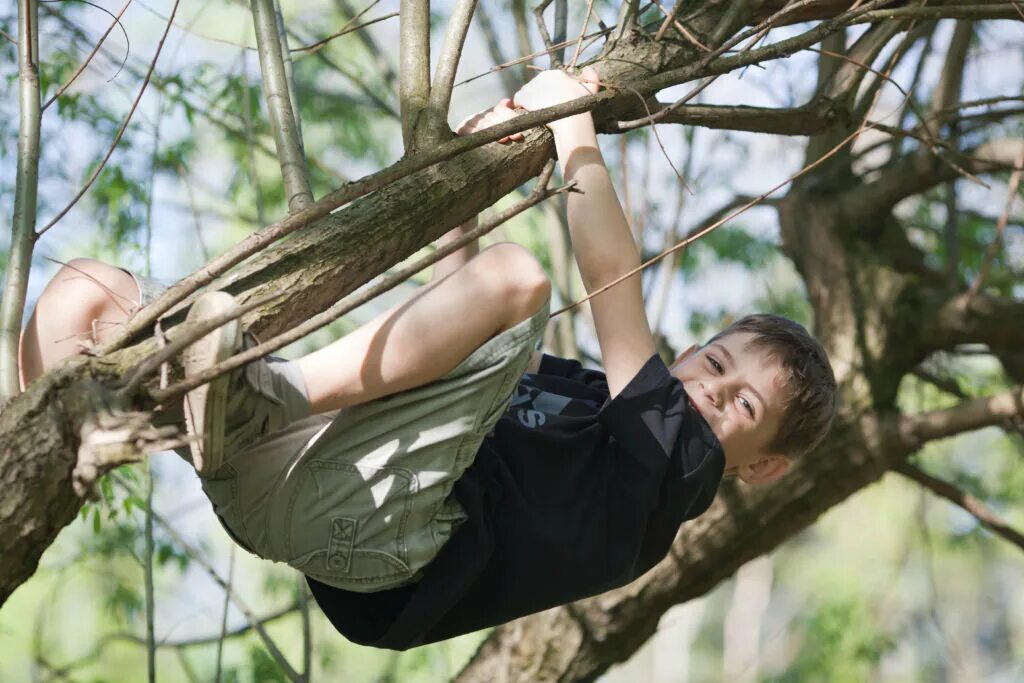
[361,498]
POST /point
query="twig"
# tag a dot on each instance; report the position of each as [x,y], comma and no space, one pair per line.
[120,132]
[147,565]
[993,248]
[313,47]
[716,224]
[451,54]
[985,515]
[540,193]
[669,18]
[186,336]
[533,55]
[683,31]
[550,47]
[224,618]
[272,647]
[583,32]
[95,49]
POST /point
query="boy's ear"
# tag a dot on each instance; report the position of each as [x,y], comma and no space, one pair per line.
[685,354]
[767,469]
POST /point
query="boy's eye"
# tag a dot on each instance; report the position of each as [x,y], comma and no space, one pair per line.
[747,406]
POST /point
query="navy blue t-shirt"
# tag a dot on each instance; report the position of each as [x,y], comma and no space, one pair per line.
[571,494]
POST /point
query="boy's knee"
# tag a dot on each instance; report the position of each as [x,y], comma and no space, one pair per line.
[521,279]
[87,286]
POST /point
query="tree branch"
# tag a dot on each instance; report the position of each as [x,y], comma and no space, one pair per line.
[539,194]
[808,119]
[915,173]
[414,68]
[448,63]
[917,430]
[985,515]
[23,222]
[981,319]
[283,116]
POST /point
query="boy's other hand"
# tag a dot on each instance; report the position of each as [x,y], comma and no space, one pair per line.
[499,113]
[551,88]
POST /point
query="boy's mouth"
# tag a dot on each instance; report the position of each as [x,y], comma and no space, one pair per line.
[694,404]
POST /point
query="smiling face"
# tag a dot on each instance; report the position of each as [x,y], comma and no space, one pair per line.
[738,390]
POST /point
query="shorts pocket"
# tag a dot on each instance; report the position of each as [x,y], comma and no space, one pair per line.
[221,487]
[346,524]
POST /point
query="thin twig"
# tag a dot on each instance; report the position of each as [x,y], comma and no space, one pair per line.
[669,18]
[224,617]
[313,47]
[539,194]
[95,49]
[583,32]
[533,55]
[649,262]
[985,515]
[147,565]
[197,556]
[683,31]
[993,248]
[121,130]
[189,335]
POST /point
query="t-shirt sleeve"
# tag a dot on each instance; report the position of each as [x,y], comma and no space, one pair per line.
[660,440]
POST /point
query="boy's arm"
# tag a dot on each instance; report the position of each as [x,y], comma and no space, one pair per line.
[502,111]
[601,239]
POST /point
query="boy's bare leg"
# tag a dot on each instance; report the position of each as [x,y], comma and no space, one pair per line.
[84,303]
[427,336]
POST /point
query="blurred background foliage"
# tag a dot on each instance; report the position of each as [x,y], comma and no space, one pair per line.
[892,585]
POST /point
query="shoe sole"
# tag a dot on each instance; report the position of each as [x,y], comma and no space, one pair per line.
[205,406]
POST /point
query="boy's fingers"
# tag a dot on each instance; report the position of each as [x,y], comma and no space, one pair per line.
[590,79]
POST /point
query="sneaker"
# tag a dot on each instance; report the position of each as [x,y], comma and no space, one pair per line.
[205,407]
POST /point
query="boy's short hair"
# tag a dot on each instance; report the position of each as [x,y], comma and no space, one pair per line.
[807,378]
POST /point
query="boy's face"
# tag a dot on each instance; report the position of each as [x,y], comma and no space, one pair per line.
[738,391]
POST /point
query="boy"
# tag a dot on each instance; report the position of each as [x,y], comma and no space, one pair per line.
[427,487]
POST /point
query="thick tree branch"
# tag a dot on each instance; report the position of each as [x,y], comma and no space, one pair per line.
[915,173]
[984,514]
[917,430]
[982,319]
